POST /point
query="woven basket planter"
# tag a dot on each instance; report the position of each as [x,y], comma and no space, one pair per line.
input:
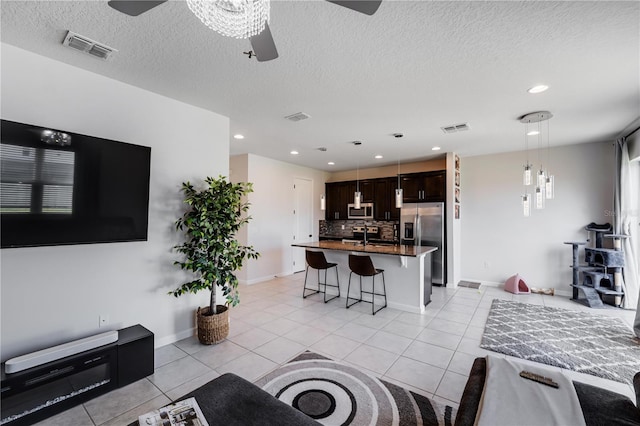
[212,328]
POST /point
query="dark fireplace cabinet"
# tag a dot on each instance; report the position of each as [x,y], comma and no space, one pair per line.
[39,392]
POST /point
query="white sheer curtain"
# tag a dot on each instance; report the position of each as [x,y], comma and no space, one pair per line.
[627,218]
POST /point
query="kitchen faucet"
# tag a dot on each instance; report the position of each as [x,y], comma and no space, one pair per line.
[365,234]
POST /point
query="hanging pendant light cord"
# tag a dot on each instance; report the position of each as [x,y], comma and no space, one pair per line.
[539,146]
[548,155]
[526,143]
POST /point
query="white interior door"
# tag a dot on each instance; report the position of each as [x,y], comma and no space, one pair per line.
[302,220]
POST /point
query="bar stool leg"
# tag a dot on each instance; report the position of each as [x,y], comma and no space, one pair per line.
[330,285]
[384,290]
[348,292]
[304,290]
[373,295]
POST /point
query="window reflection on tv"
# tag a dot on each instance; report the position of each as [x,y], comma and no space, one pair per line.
[36,180]
[58,187]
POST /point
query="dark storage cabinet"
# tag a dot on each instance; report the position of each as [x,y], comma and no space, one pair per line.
[427,186]
[38,393]
[135,354]
[385,199]
[338,194]
[416,187]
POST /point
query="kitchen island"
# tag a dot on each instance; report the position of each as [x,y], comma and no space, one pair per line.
[407,271]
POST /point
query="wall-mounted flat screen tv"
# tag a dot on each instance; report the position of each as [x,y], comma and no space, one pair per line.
[59,187]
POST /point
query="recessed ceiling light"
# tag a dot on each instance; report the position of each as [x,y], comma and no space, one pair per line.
[294,153]
[533,133]
[331,163]
[436,148]
[238,136]
[538,89]
[378,157]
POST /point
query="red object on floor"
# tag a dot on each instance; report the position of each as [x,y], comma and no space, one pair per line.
[516,285]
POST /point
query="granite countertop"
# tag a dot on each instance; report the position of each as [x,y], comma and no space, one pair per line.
[395,250]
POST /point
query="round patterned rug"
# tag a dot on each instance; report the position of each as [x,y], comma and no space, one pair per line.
[336,394]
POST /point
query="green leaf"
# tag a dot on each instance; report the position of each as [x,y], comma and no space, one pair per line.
[209,225]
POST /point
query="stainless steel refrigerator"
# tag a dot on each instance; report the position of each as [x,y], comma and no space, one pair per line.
[422,224]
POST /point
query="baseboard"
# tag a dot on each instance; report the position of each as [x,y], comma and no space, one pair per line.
[258,280]
[172,338]
[483,283]
[405,308]
[565,293]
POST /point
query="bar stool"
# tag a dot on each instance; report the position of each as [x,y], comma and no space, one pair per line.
[363,266]
[316,260]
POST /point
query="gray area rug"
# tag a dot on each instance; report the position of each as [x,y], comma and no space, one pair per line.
[593,344]
[334,394]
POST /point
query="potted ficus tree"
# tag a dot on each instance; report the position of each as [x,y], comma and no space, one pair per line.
[211,251]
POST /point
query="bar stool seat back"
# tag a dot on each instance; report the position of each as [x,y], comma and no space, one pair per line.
[363,267]
[317,260]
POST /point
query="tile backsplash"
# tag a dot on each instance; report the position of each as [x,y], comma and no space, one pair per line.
[334,227]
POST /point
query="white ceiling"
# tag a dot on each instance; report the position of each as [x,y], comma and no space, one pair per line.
[412,67]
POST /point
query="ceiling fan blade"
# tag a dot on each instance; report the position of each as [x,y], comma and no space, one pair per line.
[368,7]
[263,45]
[134,7]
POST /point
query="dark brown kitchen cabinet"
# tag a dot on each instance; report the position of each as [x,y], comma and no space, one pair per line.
[338,195]
[427,186]
[436,186]
[384,199]
[367,188]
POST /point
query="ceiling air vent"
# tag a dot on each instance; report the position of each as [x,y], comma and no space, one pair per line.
[88,46]
[298,116]
[456,128]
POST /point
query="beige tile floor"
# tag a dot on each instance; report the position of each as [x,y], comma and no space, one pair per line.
[430,354]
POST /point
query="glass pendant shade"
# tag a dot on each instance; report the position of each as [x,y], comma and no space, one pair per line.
[323,203]
[399,198]
[542,177]
[526,205]
[232,18]
[526,176]
[539,197]
[548,187]
[356,199]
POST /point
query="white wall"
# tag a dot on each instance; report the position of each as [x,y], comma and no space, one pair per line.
[454,230]
[270,231]
[55,294]
[497,241]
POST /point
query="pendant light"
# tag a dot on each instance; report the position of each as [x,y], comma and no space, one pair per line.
[399,194]
[357,196]
[323,203]
[526,176]
[526,205]
[550,181]
[541,179]
[544,181]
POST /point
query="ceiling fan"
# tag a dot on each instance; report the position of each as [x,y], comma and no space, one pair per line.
[264,48]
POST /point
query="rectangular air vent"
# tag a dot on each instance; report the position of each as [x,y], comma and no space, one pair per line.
[456,128]
[88,46]
[298,116]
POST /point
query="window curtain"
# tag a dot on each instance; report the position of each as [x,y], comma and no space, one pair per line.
[626,222]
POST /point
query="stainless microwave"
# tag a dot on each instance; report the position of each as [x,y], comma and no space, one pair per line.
[364,212]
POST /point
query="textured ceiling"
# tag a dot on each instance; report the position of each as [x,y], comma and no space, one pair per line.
[412,67]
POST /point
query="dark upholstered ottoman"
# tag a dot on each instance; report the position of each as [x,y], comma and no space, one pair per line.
[599,406]
[232,401]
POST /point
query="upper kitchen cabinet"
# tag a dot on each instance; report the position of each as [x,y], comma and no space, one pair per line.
[338,195]
[384,207]
[367,188]
[421,187]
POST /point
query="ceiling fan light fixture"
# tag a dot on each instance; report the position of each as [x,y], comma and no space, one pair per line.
[232,18]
